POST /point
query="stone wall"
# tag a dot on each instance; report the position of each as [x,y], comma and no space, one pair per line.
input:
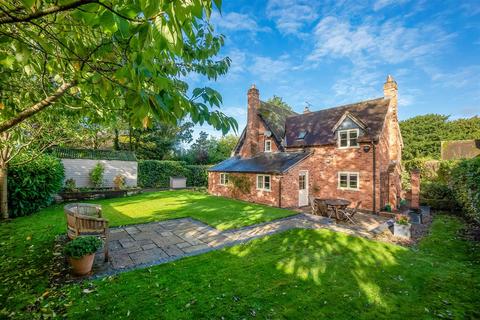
[79,170]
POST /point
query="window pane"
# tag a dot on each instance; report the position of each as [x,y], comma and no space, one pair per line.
[353,138]
[343,181]
[268,145]
[259,182]
[226,178]
[353,181]
[343,139]
[301,182]
[267,182]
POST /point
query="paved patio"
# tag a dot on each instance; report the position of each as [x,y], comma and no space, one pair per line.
[143,245]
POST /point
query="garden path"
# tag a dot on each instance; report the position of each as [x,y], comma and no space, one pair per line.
[143,245]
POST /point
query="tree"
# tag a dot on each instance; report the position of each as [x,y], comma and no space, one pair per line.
[161,141]
[278,101]
[198,152]
[94,56]
[222,148]
[422,135]
[210,150]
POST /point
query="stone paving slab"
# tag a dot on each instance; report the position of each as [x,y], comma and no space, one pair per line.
[137,246]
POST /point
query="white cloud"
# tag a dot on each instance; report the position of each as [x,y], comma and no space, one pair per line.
[463,77]
[388,42]
[291,16]
[234,21]
[380,4]
[267,68]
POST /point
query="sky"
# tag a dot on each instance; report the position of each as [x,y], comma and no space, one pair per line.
[329,53]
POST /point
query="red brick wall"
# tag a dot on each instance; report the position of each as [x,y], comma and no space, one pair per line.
[258,196]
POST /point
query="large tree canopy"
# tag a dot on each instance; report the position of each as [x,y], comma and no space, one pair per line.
[422,135]
[98,55]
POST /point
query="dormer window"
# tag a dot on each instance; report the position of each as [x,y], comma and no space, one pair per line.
[301,135]
[348,138]
[268,145]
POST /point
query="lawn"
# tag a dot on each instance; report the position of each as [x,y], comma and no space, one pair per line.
[307,274]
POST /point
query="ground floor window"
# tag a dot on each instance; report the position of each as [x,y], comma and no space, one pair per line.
[348,180]
[223,179]
[263,182]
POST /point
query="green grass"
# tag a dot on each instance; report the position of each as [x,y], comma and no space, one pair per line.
[300,274]
[26,243]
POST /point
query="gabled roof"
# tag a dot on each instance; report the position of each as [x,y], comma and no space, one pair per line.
[349,115]
[460,149]
[265,162]
[319,124]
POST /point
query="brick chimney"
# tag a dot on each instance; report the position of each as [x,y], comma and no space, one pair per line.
[250,146]
[415,183]
[306,110]
[390,90]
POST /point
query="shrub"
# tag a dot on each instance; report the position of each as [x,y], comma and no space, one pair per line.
[82,246]
[96,175]
[437,195]
[197,175]
[119,182]
[465,185]
[157,173]
[70,185]
[31,185]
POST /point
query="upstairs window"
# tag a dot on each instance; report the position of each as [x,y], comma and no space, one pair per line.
[268,145]
[348,138]
[223,179]
[263,182]
[348,180]
[301,135]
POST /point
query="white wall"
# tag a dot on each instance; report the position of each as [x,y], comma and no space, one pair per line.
[79,170]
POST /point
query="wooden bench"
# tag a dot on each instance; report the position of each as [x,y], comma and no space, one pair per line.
[86,219]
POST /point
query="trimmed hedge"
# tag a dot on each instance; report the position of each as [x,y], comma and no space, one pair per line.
[465,185]
[437,195]
[157,173]
[31,186]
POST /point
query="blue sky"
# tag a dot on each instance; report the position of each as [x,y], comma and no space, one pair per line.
[329,53]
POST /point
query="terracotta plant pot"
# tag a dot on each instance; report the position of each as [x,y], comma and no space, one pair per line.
[83,265]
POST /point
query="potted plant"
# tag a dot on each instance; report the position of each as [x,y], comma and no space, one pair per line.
[119,182]
[81,253]
[401,227]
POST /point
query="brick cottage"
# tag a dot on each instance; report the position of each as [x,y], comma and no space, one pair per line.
[351,152]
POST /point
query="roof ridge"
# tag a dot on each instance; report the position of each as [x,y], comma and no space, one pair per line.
[341,106]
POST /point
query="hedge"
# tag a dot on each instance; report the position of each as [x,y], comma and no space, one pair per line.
[31,185]
[465,185]
[157,173]
[437,195]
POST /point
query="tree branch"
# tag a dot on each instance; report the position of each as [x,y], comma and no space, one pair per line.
[9,18]
[27,113]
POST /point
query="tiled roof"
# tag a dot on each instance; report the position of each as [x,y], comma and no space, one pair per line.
[319,124]
[276,162]
[460,149]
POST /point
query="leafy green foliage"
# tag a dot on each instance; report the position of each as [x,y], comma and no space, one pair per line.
[438,195]
[82,246]
[278,101]
[239,183]
[197,175]
[157,173]
[124,54]
[119,182]
[210,150]
[96,175]
[422,135]
[465,184]
[31,185]
[70,185]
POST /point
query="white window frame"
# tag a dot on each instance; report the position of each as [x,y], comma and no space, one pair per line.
[223,179]
[262,177]
[348,174]
[347,131]
[269,149]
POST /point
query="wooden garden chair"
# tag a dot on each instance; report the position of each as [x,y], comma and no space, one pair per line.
[350,212]
[86,219]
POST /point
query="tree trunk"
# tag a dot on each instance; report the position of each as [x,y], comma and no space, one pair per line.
[116,142]
[3,191]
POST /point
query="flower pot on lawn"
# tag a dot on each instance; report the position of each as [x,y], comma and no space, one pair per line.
[83,265]
[81,253]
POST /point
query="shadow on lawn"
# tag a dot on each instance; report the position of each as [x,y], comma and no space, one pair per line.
[298,274]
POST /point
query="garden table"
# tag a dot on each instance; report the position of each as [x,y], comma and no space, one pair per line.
[337,205]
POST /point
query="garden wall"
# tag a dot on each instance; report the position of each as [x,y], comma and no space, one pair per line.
[79,170]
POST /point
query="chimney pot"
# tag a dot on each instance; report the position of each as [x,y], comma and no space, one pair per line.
[306,110]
